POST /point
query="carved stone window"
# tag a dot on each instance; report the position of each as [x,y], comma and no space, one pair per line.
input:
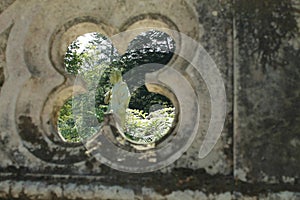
[45,86]
[150,116]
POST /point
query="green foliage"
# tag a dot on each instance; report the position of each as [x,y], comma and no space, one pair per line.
[144,128]
[96,60]
[66,123]
[73,60]
[143,100]
[149,47]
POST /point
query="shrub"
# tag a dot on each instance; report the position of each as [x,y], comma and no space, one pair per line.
[147,128]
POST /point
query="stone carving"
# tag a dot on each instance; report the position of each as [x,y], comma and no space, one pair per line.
[118,97]
[40,33]
[3,45]
[35,164]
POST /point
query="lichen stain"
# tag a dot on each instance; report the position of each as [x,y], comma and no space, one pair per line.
[3,44]
[5,4]
[39,147]
[29,131]
[263,26]
[1,78]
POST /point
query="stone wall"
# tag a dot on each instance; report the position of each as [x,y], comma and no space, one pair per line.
[254,44]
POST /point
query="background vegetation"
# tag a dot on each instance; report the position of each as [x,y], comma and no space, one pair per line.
[149,116]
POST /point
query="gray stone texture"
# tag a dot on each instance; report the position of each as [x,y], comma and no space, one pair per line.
[267,86]
[256,46]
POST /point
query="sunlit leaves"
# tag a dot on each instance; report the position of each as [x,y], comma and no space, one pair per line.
[91,58]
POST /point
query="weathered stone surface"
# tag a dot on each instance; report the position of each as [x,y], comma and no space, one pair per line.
[42,190]
[256,48]
[5,4]
[36,86]
[3,44]
[267,86]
